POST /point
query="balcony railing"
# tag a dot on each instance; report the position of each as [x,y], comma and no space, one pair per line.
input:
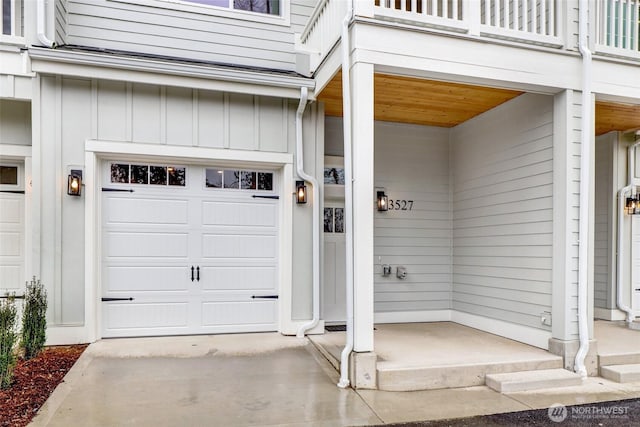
[11,11]
[618,27]
[527,21]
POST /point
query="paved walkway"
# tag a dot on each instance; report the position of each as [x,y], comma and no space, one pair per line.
[261,380]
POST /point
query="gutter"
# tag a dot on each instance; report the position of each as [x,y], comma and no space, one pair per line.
[348,195]
[315,205]
[585,173]
[159,66]
[40,25]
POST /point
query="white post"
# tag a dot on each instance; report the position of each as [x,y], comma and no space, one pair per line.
[471,15]
[363,204]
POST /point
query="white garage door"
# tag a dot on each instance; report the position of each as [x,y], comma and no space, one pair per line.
[11,229]
[191,250]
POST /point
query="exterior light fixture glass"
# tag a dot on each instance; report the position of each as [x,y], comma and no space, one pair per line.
[74,184]
[632,207]
[301,192]
[383,201]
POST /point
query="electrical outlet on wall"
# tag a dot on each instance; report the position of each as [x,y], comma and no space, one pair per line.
[545,318]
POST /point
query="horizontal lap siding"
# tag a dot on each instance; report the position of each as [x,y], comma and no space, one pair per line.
[61,21]
[502,212]
[412,163]
[162,31]
[603,228]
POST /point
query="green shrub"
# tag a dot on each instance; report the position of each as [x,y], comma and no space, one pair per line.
[34,320]
[8,337]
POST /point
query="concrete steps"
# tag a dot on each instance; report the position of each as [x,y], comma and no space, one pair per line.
[621,373]
[392,378]
[618,359]
[532,380]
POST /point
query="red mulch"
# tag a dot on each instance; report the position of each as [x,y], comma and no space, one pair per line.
[33,382]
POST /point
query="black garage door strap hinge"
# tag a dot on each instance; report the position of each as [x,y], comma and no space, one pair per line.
[127,190]
[117,299]
[11,296]
[258,196]
[12,191]
[264,297]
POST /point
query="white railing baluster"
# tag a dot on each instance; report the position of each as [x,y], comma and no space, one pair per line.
[552,17]
[507,17]
[414,6]
[636,32]
[543,17]
[434,8]
[445,8]
[627,35]
[424,7]
[620,25]
[534,16]
[454,9]
[525,13]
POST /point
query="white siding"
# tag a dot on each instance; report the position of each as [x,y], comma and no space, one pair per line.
[502,212]
[300,12]
[412,163]
[604,208]
[177,116]
[76,110]
[153,30]
[15,122]
[61,21]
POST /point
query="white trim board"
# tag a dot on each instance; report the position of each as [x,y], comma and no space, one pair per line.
[67,335]
[608,314]
[413,316]
[535,337]
[96,150]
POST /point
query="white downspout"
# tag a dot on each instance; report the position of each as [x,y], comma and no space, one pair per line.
[40,26]
[621,203]
[316,215]
[348,194]
[585,172]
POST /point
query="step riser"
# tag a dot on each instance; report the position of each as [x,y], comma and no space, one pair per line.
[621,373]
[533,380]
[452,376]
[619,359]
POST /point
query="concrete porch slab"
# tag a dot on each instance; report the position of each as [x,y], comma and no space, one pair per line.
[424,356]
[617,344]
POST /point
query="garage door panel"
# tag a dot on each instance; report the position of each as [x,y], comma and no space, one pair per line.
[10,278]
[139,245]
[239,313]
[146,211]
[239,214]
[239,277]
[11,208]
[149,316]
[147,278]
[238,246]
[10,244]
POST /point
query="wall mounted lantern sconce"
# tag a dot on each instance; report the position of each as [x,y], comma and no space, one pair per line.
[74,183]
[632,207]
[383,201]
[301,192]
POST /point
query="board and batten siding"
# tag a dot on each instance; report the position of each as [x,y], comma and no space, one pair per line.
[152,27]
[15,122]
[605,198]
[412,163]
[75,110]
[502,212]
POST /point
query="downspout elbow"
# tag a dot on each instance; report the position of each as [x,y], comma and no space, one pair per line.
[40,25]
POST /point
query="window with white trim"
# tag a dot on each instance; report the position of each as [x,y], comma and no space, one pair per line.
[238,179]
[269,7]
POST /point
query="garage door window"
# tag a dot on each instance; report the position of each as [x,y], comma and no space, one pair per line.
[125,173]
[8,175]
[239,179]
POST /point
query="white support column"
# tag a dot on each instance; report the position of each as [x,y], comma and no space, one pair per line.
[363,204]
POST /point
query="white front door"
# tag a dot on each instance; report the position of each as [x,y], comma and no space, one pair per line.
[334,288]
[12,244]
[188,251]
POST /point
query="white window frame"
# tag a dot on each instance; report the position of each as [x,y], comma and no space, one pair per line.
[284,19]
[20,185]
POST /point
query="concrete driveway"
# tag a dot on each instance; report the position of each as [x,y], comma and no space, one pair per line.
[223,380]
[261,380]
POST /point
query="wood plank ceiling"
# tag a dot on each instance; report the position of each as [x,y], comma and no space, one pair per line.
[434,103]
[420,101]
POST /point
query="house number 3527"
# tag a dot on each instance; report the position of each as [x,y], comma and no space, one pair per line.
[400,205]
